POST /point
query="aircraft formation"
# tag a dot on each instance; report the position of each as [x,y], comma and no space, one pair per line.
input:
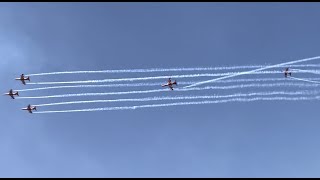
[30,108]
[12,94]
[168,84]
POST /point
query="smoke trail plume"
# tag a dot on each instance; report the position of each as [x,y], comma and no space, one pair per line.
[157,84]
[252,71]
[306,80]
[165,70]
[186,103]
[305,92]
[177,89]
[228,74]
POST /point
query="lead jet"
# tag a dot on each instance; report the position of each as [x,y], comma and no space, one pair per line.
[30,108]
[12,94]
[170,84]
[23,79]
[286,72]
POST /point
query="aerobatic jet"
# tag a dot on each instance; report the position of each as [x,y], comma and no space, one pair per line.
[30,108]
[23,79]
[170,84]
[286,72]
[11,93]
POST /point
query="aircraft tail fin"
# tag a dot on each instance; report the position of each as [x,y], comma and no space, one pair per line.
[17,93]
[175,82]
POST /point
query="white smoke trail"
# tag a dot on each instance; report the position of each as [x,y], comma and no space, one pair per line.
[159,77]
[303,71]
[306,80]
[305,92]
[177,89]
[164,70]
[157,84]
[96,86]
[298,70]
[252,71]
[93,94]
[186,103]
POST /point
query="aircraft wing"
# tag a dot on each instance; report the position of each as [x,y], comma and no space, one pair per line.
[12,96]
[29,110]
[23,82]
[171,87]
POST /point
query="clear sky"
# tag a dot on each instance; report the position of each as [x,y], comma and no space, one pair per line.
[257,139]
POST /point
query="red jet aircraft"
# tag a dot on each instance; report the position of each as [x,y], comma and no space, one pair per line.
[23,79]
[170,84]
[11,93]
[286,72]
[30,108]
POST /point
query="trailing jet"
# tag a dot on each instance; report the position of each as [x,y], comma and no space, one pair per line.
[30,108]
[170,84]
[11,93]
[286,72]
[23,79]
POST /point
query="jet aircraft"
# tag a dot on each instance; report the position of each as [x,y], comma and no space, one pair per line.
[23,79]
[170,84]
[12,94]
[30,108]
[286,72]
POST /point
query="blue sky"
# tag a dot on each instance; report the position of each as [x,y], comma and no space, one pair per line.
[257,139]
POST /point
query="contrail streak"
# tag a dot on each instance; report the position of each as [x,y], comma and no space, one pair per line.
[160,77]
[186,103]
[182,90]
[252,71]
[96,86]
[164,70]
[298,70]
[304,70]
[306,80]
[157,84]
[185,97]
